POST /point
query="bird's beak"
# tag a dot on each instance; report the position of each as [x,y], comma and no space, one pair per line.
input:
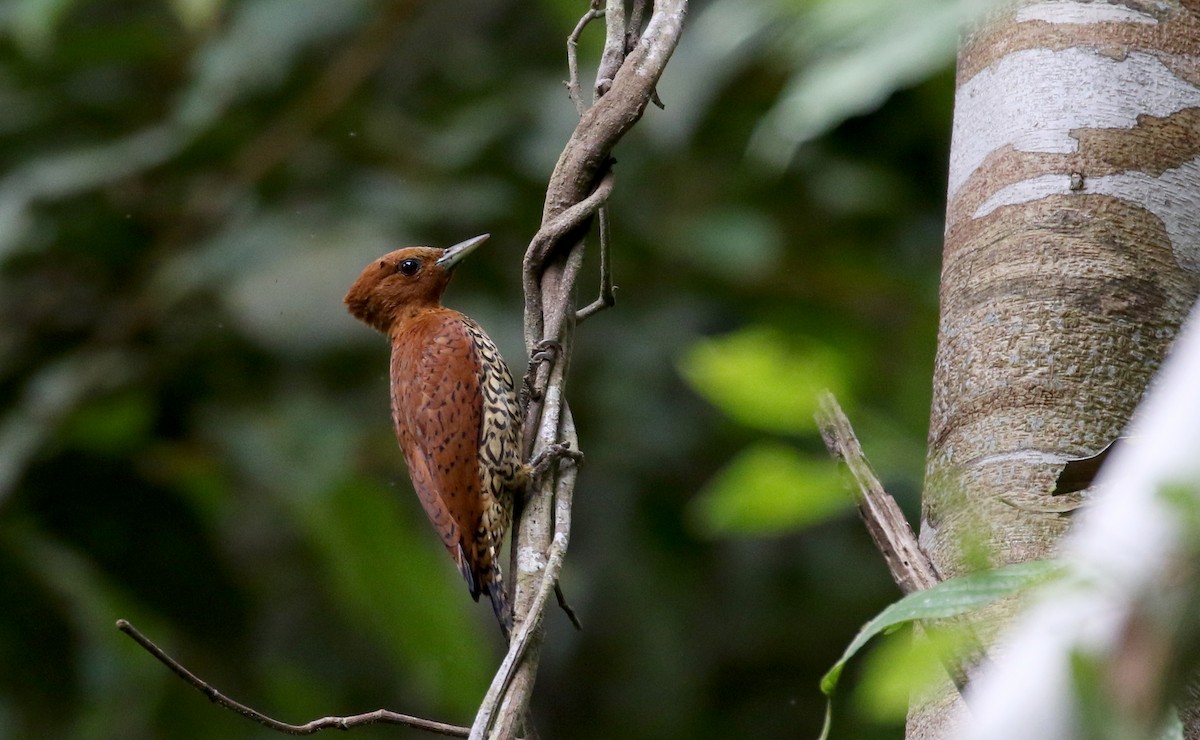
[454,255]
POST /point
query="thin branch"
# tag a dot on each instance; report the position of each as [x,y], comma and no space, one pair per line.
[634,28]
[911,568]
[573,89]
[614,46]
[522,640]
[550,235]
[378,717]
[607,298]
[566,607]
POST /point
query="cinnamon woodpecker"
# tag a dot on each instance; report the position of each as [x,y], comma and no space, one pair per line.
[454,408]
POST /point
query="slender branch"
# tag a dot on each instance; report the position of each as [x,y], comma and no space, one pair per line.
[573,89]
[378,717]
[607,298]
[911,568]
[634,27]
[550,235]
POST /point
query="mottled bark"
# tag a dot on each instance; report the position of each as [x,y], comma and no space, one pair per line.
[1071,253]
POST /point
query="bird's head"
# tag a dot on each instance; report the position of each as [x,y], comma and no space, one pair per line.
[406,280]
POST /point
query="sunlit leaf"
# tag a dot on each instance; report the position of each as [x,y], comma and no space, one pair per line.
[951,598]
[947,599]
[770,488]
[765,379]
[904,665]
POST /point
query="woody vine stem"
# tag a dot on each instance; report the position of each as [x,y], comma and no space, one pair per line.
[633,61]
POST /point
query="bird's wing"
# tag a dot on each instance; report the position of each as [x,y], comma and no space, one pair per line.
[437,409]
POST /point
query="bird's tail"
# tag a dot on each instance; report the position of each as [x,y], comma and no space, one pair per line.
[486,578]
[494,587]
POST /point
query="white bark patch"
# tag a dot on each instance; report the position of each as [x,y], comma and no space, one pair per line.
[1174,197]
[530,560]
[1082,13]
[1029,457]
[1032,100]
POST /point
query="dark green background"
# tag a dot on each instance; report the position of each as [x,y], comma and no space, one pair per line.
[195,435]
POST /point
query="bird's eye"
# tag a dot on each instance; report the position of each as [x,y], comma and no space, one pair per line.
[408,267]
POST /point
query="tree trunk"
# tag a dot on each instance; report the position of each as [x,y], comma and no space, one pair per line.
[1071,254]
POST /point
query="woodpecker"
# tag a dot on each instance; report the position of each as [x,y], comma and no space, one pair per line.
[454,408]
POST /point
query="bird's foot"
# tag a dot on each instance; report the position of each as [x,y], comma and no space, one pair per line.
[544,351]
[543,461]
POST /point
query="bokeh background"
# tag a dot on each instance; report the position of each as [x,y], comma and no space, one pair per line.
[194,435]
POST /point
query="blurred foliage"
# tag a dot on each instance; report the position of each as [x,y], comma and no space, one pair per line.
[195,436]
[769,488]
[913,667]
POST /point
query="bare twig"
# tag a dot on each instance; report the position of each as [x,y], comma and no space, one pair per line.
[633,29]
[573,89]
[911,568]
[378,717]
[607,298]
[547,238]
[563,604]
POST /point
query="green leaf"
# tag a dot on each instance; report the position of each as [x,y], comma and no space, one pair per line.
[35,22]
[950,598]
[947,599]
[764,379]
[770,488]
[904,666]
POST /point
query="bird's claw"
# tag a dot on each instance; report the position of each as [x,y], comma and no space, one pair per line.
[544,351]
[551,454]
